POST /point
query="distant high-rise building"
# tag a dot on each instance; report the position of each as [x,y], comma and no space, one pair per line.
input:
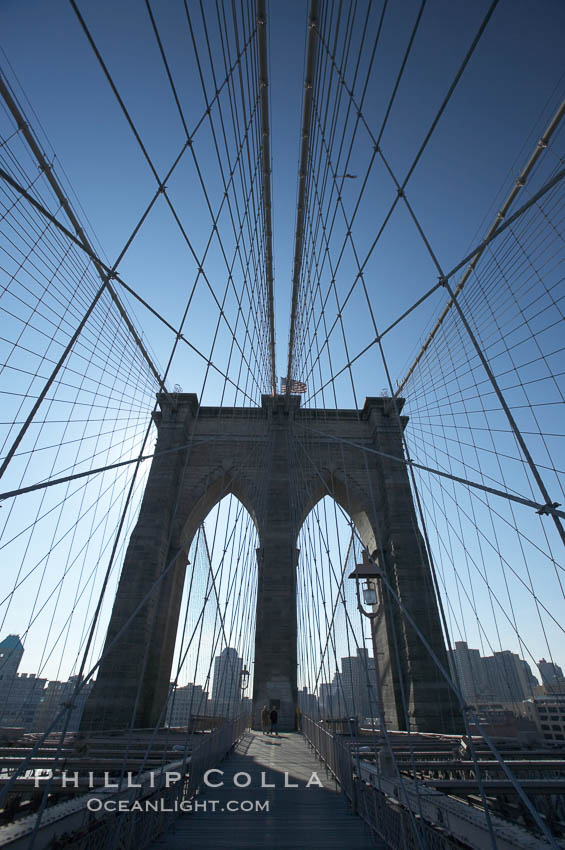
[11,653]
[57,696]
[551,674]
[186,702]
[501,677]
[226,684]
[548,713]
[358,677]
[507,680]
[308,703]
[331,700]
[467,666]
[19,694]
[19,697]
[530,678]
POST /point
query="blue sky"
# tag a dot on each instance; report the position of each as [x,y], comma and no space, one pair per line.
[500,106]
[503,102]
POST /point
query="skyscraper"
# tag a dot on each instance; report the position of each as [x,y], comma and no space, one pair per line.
[11,653]
[358,679]
[226,684]
[551,674]
[501,677]
[468,667]
[19,694]
[184,703]
[331,700]
[308,703]
[507,677]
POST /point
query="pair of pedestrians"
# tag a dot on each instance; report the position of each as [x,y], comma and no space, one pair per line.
[269,720]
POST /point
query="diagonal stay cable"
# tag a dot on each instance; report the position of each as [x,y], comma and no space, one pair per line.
[549,509]
[550,184]
[9,494]
[424,143]
[116,276]
[468,712]
[495,227]
[44,166]
[149,161]
[208,112]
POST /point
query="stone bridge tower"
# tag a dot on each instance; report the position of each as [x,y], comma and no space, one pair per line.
[279,460]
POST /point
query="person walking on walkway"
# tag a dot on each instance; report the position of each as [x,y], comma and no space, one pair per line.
[274,720]
[265,717]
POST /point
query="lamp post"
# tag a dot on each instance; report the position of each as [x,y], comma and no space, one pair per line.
[243,681]
[368,572]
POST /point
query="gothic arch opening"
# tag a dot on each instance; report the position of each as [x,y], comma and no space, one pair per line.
[217,487]
[351,498]
[216,626]
[336,663]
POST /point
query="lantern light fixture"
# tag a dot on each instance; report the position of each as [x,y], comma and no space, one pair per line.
[368,572]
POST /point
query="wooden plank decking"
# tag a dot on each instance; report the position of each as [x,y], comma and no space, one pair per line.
[309,818]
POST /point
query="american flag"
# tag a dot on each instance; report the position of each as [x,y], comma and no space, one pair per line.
[298,387]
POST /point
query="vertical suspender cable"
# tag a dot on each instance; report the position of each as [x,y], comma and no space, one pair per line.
[311,53]
[500,216]
[266,167]
[61,197]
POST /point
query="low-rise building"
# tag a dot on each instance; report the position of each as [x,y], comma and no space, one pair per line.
[186,702]
[548,713]
[19,698]
[57,696]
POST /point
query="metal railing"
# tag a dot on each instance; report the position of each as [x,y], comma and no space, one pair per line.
[213,748]
[403,810]
[333,751]
[389,821]
[129,818]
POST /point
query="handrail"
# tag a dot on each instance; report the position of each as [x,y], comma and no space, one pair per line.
[152,802]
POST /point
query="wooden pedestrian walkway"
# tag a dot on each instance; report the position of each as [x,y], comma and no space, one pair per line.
[305,817]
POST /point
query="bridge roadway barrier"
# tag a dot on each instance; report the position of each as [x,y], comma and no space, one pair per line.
[456,820]
[394,807]
[150,802]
